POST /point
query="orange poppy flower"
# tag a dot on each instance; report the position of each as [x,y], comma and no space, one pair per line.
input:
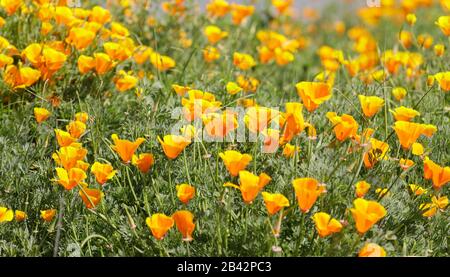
[20,216]
[41,114]
[70,179]
[81,38]
[289,150]
[370,105]
[439,175]
[143,161]
[240,12]
[159,224]
[91,197]
[409,132]
[85,64]
[220,125]
[6,214]
[11,6]
[444,80]
[210,54]
[173,145]
[250,185]
[362,187]
[218,8]
[406,163]
[294,122]
[161,63]
[48,215]
[184,220]
[64,138]
[76,129]
[326,225]
[103,172]
[345,126]
[100,15]
[125,148]
[444,23]
[243,61]
[372,250]
[20,77]
[377,152]
[235,161]
[366,214]
[70,156]
[274,202]
[307,190]
[404,114]
[185,193]
[214,34]
[313,94]
[103,63]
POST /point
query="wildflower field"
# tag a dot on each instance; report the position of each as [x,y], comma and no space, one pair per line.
[258,128]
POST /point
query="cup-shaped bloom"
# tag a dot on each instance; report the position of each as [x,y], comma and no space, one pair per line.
[48,215]
[159,224]
[70,156]
[85,64]
[376,152]
[313,94]
[218,8]
[326,225]
[307,190]
[20,77]
[143,161]
[362,187]
[185,193]
[81,38]
[41,114]
[11,6]
[64,138]
[439,175]
[370,105]
[409,132]
[399,93]
[20,216]
[214,34]
[274,202]
[372,250]
[103,63]
[294,122]
[91,197]
[103,172]
[99,15]
[443,79]
[404,114]
[235,161]
[444,23]
[125,148]
[116,51]
[70,179]
[219,125]
[250,185]
[173,145]
[243,61]
[417,190]
[240,12]
[125,81]
[289,150]
[6,214]
[160,62]
[366,214]
[184,220]
[76,128]
[345,126]
[210,54]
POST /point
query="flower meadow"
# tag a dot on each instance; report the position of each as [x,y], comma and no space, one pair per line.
[255,128]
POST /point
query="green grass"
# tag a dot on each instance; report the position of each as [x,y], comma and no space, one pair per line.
[225,226]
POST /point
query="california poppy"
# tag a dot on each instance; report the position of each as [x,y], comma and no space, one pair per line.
[370,104]
[313,94]
[20,216]
[214,34]
[404,114]
[125,148]
[91,196]
[243,61]
[71,178]
[307,190]
[173,145]
[103,172]
[143,161]
[274,202]
[366,213]
[6,214]
[362,187]
[372,250]
[439,175]
[345,126]
[409,132]
[41,114]
[184,220]
[48,215]
[76,128]
[185,193]
[159,224]
[326,225]
[250,185]
[235,161]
